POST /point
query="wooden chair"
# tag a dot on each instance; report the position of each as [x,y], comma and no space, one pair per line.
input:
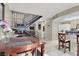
[42,45]
[78,45]
[40,49]
[78,39]
[63,42]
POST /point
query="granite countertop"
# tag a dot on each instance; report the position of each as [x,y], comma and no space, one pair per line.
[72,31]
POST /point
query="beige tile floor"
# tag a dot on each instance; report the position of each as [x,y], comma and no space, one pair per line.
[51,48]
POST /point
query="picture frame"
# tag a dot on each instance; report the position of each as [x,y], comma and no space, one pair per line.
[39,26]
[43,28]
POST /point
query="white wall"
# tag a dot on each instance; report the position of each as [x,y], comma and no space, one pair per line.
[47,34]
[55,24]
[39,33]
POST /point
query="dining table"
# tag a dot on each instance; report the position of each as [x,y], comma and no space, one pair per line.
[21,44]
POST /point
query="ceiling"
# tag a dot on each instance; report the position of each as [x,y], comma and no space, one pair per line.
[46,10]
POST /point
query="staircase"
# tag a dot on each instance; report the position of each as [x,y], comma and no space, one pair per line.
[31,21]
[23,19]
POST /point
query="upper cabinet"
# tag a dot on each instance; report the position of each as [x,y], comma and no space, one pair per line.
[73,23]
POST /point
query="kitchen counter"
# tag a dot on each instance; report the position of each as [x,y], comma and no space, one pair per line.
[73,31]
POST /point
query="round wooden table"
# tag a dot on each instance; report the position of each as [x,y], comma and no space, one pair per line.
[14,48]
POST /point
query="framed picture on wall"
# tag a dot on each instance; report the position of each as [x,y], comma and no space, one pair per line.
[43,28]
[39,26]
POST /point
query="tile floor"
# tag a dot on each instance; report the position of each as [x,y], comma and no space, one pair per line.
[51,48]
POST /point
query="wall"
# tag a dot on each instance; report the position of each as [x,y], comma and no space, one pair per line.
[40,33]
[55,24]
[47,34]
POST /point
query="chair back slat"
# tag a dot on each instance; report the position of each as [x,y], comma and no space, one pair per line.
[62,36]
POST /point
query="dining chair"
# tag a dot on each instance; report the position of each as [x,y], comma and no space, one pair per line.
[77,39]
[63,41]
[77,44]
